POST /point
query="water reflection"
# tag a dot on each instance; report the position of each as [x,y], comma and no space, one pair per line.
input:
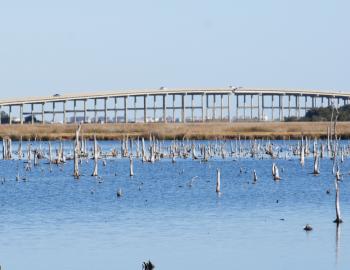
[337,243]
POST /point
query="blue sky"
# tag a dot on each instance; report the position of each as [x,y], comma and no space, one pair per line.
[65,46]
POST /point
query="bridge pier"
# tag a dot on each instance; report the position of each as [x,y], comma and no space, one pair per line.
[281,107]
[126,109]
[75,111]
[259,116]
[145,108]
[164,109]
[10,115]
[244,105]
[229,107]
[43,113]
[183,116]
[20,114]
[32,113]
[105,110]
[203,107]
[173,108]
[54,112]
[85,111]
[64,112]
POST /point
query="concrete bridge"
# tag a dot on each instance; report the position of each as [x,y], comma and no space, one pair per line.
[170,105]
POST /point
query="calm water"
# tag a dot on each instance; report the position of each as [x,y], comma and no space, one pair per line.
[52,221]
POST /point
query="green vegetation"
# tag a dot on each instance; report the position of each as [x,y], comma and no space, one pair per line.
[323,114]
[4,117]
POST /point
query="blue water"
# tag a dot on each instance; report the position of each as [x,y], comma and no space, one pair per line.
[52,221]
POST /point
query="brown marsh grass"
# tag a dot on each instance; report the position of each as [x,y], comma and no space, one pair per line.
[220,130]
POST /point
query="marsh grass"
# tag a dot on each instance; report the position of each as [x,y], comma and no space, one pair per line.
[220,130]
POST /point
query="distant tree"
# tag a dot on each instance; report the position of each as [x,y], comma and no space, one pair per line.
[28,119]
[318,114]
[322,114]
[291,119]
[5,119]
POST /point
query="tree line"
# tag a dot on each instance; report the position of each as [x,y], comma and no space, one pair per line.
[323,114]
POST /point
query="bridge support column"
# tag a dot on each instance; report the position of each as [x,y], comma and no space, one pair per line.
[203,107]
[173,108]
[75,111]
[135,111]
[20,114]
[32,112]
[281,107]
[164,108]
[126,109]
[206,106]
[251,107]
[272,107]
[115,110]
[237,106]
[10,115]
[229,107]
[288,105]
[263,106]
[259,114]
[145,108]
[183,114]
[43,113]
[192,108]
[85,111]
[64,112]
[105,110]
[54,113]
[214,107]
[154,107]
[244,105]
[95,111]
[221,106]
[298,106]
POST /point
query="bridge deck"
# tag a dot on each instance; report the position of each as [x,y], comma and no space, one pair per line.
[150,92]
[174,105]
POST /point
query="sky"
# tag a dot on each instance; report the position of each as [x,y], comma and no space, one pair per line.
[50,47]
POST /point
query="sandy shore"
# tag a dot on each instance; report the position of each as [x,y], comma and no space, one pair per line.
[272,130]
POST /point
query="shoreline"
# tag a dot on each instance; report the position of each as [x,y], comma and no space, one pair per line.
[209,130]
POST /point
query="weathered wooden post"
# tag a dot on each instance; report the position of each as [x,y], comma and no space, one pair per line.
[218,181]
[7,148]
[36,159]
[50,153]
[76,153]
[316,164]
[29,152]
[275,172]
[20,152]
[255,177]
[143,151]
[337,205]
[95,173]
[302,156]
[131,166]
